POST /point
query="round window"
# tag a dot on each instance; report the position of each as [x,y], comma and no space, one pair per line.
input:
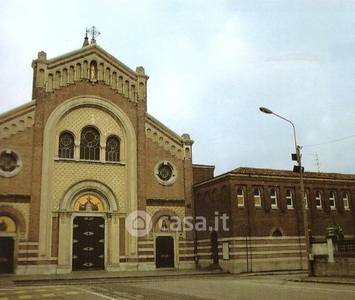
[10,164]
[165,173]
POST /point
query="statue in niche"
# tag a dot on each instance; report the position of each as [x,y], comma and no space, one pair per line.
[93,73]
[3,225]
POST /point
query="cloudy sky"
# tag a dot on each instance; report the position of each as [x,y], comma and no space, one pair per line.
[212,64]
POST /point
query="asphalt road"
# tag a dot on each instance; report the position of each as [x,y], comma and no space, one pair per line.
[191,288]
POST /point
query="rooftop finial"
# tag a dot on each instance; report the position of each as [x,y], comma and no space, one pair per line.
[86,39]
[94,33]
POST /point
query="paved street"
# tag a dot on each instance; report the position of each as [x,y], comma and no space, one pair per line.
[50,292]
[188,288]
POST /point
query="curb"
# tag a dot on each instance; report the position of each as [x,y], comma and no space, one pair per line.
[108,277]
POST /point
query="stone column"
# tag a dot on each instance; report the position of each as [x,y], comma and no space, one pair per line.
[65,243]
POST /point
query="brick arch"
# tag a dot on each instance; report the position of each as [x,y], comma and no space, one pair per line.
[49,140]
[88,186]
[15,215]
[163,212]
[273,229]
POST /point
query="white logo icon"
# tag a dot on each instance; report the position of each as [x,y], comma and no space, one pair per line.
[138,223]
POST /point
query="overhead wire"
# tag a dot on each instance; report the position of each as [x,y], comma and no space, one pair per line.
[329,142]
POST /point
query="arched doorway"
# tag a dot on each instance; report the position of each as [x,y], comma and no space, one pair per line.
[95,201]
[8,230]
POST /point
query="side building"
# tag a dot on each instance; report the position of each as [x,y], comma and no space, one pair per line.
[85,170]
[255,221]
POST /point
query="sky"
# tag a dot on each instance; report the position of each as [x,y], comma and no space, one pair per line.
[211,65]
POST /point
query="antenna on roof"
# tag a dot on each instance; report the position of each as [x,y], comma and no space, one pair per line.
[93,33]
[317,162]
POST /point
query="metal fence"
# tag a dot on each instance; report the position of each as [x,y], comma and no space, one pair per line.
[346,246]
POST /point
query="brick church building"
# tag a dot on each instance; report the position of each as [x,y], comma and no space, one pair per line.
[89,180]
[82,156]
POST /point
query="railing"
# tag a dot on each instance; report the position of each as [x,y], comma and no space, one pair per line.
[346,246]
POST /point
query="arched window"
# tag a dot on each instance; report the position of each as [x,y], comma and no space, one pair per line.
[240,197]
[90,144]
[66,145]
[273,198]
[289,199]
[257,197]
[318,199]
[113,149]
[332,200]
[346,200]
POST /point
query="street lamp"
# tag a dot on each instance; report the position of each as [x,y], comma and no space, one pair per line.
[299,170]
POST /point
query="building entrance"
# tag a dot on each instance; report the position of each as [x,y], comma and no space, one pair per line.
[6,255]
[164,252]
[88,243]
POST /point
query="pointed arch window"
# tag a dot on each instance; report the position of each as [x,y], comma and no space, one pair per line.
[90,144]
[113,149]
[66,145]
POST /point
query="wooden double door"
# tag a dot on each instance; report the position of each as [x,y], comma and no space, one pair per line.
[164,247]
[88,243]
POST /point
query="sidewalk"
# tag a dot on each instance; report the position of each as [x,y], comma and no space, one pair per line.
[302,276]
[329,280]
[11,280]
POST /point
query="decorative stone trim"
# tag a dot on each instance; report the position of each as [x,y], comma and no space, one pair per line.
[165,172]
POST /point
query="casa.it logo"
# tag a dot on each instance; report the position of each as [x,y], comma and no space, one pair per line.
[139,223]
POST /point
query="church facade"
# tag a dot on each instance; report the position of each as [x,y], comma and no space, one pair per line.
[85,171]
[89,180]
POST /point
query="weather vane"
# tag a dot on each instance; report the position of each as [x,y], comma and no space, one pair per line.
[93,32]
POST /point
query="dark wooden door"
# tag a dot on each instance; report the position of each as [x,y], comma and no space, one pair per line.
[214,247]
[88,243]
[7,254]
[165,252]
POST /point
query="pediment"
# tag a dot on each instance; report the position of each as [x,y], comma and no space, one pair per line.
[91,63]
[88,54]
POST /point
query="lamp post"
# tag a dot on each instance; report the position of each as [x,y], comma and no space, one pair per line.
[298,169]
